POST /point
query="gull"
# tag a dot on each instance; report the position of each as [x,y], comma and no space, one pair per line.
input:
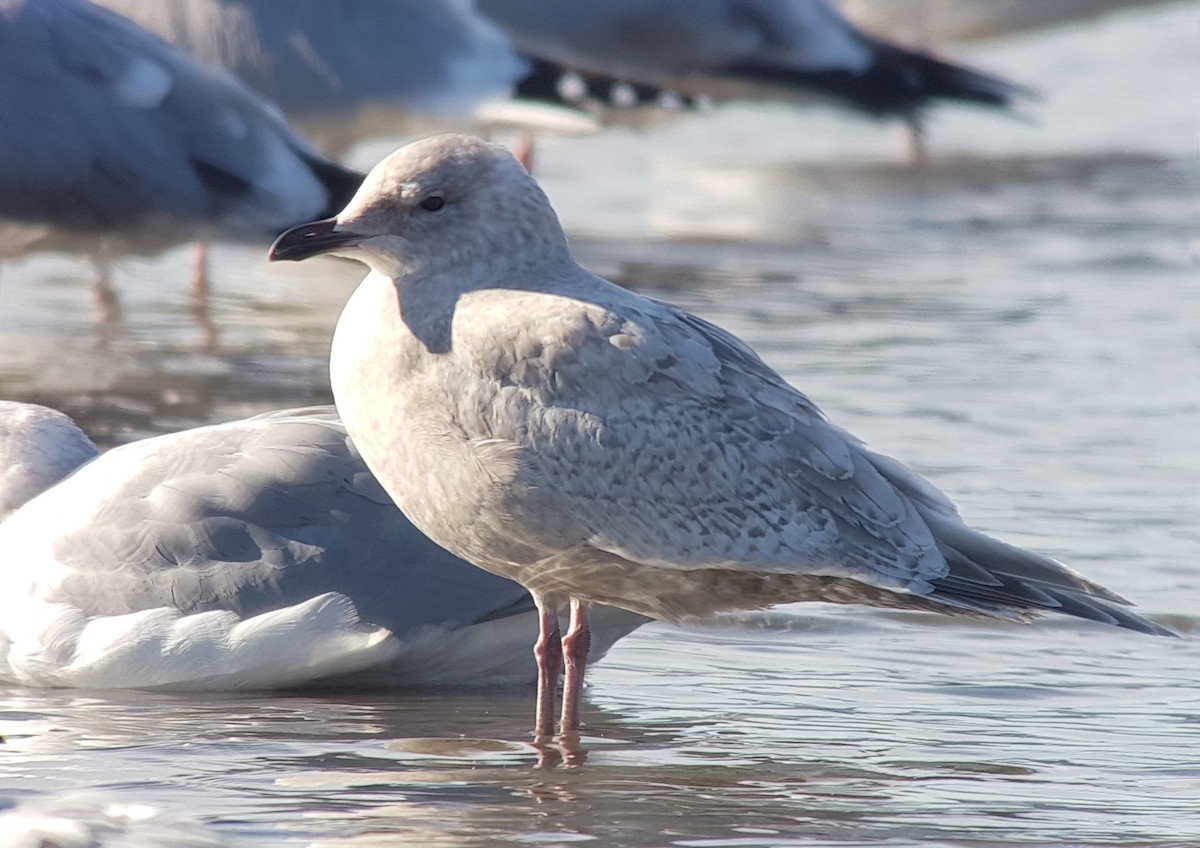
[745,49]
[598,446]
[349,72]
[256,554]
[373,68]
[114,141]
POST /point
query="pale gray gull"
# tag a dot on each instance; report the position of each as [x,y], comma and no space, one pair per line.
[256,554]
[601,447]
[114,141]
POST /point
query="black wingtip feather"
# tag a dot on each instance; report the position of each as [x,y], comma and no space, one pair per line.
[558,85]
[1095,610]
[340,183]
[1022,583]
[1015,598]
[899,83]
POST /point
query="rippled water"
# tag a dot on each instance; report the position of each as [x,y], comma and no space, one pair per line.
[1022,325]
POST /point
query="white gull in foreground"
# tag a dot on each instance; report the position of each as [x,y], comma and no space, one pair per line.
[251,555]
[601,447]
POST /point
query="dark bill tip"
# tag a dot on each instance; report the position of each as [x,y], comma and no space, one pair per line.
[310,240]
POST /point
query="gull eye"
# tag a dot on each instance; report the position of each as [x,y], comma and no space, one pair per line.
[433,203]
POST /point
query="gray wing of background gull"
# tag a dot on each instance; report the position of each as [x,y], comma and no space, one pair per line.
[743,49]
[253,516]
[108,129]
[325,63]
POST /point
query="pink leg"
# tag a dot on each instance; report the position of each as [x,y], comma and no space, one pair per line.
[108,302]
[522,150]
[200,299]
[548,653]
[575,646]
[200,275]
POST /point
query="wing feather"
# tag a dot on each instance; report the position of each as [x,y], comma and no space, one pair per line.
[687,451]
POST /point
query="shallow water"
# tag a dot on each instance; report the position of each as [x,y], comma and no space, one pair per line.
[1020,321]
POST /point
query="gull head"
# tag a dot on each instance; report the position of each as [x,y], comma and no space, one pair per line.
[451,204]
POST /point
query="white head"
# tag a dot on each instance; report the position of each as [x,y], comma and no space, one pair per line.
[450,204]
[38,448]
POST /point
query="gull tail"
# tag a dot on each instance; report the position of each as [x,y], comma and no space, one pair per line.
[999,579]
[993,577]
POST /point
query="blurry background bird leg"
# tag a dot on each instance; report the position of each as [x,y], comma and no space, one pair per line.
[916,141]
[199,296]
[104,293]
[522,149]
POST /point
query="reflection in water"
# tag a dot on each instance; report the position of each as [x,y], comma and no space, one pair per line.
[841,728]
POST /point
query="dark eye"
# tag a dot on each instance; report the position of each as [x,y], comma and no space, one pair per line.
[433,203]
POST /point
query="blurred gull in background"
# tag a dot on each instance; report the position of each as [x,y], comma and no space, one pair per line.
[256,554]
[749,49]
[374,67]
[349,71]
[114,141]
